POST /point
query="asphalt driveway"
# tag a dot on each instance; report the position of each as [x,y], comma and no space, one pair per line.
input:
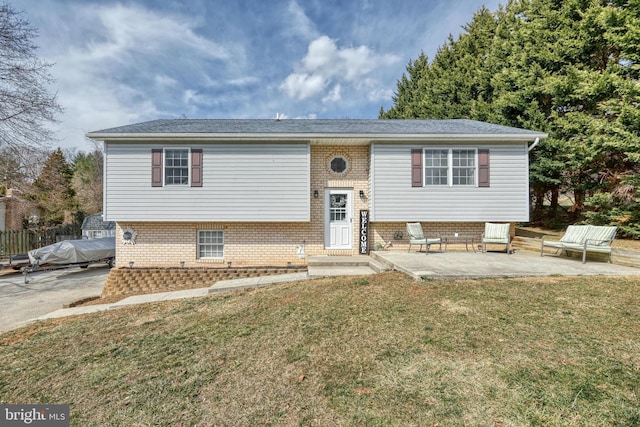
[46,291]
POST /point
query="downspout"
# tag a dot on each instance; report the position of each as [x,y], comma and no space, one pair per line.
[536,142]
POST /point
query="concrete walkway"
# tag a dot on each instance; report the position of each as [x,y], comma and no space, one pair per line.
[416,264]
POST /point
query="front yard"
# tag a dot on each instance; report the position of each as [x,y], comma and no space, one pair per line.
[375,350]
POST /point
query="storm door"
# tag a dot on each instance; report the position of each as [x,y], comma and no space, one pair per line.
[338,219]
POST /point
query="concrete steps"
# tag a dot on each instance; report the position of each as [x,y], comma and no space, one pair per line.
[326,265]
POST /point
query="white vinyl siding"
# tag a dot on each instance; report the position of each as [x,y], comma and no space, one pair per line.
[242,182]
[97,234]
[394,198]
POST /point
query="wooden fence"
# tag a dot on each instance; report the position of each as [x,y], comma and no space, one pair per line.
[22,241]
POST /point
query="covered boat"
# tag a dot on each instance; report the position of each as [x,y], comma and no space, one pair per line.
[75,252]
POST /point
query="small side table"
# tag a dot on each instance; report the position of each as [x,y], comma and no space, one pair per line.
[459,239]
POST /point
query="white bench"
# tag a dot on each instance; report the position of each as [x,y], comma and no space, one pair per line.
[583,238]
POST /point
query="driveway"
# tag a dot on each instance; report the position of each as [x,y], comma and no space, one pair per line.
[46,291]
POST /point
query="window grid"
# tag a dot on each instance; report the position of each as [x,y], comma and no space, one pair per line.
[451,167]
[464,167]
[176,167]
[338,207]
[210,244]
[436,164]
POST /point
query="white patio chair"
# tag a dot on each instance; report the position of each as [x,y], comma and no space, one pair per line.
[417,237]
[496,234]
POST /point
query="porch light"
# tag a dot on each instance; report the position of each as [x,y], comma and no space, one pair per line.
[362,194]
[315,194]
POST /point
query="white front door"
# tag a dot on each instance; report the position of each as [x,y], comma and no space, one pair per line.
[338,216]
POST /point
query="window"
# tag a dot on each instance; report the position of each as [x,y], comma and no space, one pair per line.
[464,167]
[436,167]
[210,244]
[447,167]
[338,164]
[176,167]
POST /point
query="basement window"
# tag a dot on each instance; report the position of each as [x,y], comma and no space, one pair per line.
[211,244]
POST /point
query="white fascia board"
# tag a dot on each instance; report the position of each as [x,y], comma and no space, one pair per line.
[359,139]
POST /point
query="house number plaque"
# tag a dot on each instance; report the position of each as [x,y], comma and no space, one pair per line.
[364,232]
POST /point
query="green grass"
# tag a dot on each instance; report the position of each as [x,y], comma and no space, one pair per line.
[376,351]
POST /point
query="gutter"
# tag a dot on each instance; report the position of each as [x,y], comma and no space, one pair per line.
[532,146]
[312,136]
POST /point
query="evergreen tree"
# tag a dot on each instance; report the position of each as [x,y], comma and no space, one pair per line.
[569,68]
[52,190]
[87,181]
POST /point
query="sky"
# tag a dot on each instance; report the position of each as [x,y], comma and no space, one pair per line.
[123,62]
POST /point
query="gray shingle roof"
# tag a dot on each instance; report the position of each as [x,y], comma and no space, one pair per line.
[95,222]
[319,127]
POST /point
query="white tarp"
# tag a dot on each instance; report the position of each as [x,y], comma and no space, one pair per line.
[74,251]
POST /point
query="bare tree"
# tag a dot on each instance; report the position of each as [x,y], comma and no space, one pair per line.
[26,106]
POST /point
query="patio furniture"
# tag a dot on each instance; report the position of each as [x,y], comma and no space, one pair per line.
[467,239]
[583,238]
[496,234]
[417,237]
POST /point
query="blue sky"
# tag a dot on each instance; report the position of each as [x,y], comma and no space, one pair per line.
[121,62]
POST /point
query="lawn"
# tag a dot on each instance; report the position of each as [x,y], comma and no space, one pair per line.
[378,350]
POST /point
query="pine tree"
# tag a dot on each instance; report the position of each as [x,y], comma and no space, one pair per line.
[569,68]
[87,181]
[52,190]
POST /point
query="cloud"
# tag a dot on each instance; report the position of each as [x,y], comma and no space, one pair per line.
[134,30]
[298,23]
[134,64]
[334,96]
[303,85]
[119,62]
[327,65]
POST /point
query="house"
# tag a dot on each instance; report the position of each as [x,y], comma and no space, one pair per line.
[15,211]
[95,227]
[272,192]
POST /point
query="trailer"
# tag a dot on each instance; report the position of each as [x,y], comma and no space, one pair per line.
[71,253]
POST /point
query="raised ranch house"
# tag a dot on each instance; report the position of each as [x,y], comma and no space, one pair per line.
[198,193]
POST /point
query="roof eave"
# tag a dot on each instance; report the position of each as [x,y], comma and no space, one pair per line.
[310,136]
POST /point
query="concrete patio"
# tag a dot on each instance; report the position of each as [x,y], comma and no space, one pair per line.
[461,264]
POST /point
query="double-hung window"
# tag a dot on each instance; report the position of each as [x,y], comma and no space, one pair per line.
[176,166]
[463,167]
[210,243]
[450,167]
[436,167]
